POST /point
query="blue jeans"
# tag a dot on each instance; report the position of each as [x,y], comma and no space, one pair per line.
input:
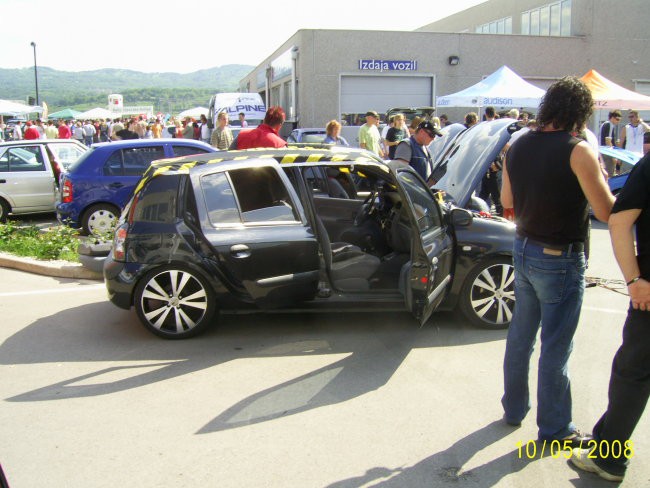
[548,292]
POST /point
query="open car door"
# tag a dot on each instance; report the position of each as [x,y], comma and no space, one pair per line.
[426,279]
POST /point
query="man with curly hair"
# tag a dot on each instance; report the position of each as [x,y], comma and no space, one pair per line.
[550,178]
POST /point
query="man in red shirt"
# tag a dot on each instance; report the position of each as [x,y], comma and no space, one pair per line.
[266,135]
[31,132]
[64,130]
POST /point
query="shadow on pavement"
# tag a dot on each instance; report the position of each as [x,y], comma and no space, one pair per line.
[447,467]
[374,344]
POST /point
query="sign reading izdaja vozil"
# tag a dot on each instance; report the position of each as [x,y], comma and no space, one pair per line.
[387,65]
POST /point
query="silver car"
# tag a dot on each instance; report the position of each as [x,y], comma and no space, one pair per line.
[29,174]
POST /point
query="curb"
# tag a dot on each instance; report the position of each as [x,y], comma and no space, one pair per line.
[58,269]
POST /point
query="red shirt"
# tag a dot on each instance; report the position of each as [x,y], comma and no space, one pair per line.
[64,132]
[262,136]
[31,133]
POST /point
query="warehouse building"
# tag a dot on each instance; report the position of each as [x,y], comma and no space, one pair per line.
[319,75]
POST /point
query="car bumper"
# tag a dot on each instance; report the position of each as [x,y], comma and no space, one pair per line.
[68,215]
[120,279]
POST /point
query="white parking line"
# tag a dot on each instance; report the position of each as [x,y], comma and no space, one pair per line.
[50,291]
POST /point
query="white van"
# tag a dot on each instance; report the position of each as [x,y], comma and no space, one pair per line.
[250,104]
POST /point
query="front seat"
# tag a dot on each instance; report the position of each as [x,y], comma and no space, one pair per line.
[350,271]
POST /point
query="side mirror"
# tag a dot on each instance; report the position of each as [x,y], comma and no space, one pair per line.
[460,217]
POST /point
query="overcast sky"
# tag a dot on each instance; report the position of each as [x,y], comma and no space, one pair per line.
[183,36]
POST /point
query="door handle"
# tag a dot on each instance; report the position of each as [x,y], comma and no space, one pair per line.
[240,251]
[3,181]
[115,185]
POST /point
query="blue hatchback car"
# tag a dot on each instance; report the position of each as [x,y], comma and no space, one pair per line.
[98,184]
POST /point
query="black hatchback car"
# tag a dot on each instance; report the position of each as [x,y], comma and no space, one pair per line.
[302,228]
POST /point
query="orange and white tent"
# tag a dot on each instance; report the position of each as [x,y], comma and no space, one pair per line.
[609,96]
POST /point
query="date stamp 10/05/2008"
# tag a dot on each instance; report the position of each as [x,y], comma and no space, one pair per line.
[556,449]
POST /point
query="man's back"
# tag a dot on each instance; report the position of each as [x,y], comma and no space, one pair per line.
[262,136]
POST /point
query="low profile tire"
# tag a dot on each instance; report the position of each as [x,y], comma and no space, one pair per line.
[487,298]
[4,211]
[174,302]
[100,219]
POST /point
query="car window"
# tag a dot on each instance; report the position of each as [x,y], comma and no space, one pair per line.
[187,150]
[315,180]
[113,165]
[157,201]
[427,212]
[313,138]
[28,158]
[138,159]
[220,199]
[66,154]
[248,195]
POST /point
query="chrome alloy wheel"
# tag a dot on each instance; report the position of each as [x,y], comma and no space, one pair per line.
[493,295]
[174,302]
[488,295]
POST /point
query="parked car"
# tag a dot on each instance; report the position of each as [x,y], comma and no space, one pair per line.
[97,185]
[268,228]
[626,160]
[30,171]
[307,135]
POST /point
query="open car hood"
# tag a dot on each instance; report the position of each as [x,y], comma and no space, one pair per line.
[469,157]
[620,154]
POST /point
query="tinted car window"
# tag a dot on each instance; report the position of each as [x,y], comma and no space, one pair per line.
[27,158]
[426,209]
[186,151]
[220,199]
[137,160]
[113,165]
[262,195]
[132,161]
[157,202]
[247,195]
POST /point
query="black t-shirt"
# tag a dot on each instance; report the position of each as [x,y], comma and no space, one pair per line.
[550,205]
[636,195]
[126,134]
[394,135]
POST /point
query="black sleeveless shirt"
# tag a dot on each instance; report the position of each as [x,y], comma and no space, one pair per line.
[549,203]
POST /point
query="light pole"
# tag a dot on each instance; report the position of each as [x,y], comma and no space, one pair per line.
[33,44]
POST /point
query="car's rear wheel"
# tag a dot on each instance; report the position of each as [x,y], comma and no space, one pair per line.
[100,219]
[174,302]
[487,298]
[4,211]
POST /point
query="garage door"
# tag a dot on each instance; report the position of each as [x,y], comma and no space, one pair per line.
[362,93]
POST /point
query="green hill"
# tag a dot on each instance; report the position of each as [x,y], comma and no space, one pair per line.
[167,92]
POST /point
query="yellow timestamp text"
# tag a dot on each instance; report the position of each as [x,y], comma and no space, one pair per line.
[557,448]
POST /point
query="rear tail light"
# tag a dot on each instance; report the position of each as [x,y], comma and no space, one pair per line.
[119,241]
[66,191]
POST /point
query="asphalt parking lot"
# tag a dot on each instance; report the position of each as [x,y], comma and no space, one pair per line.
[88,398]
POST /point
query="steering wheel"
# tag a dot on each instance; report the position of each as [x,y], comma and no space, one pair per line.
[365,210]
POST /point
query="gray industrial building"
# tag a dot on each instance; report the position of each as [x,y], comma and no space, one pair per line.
[319,75]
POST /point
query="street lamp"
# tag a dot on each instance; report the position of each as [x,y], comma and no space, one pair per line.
[33,44]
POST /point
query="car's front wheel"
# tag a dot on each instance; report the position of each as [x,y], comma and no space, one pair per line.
[100,219]
[174,302]
[487,298]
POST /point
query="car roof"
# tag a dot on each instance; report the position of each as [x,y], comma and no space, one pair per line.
[292,154]
[150,142]
[40,141]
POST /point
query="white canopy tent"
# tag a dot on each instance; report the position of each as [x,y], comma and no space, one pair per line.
[195,112]
[502,89]
[96,113]
[7,107]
